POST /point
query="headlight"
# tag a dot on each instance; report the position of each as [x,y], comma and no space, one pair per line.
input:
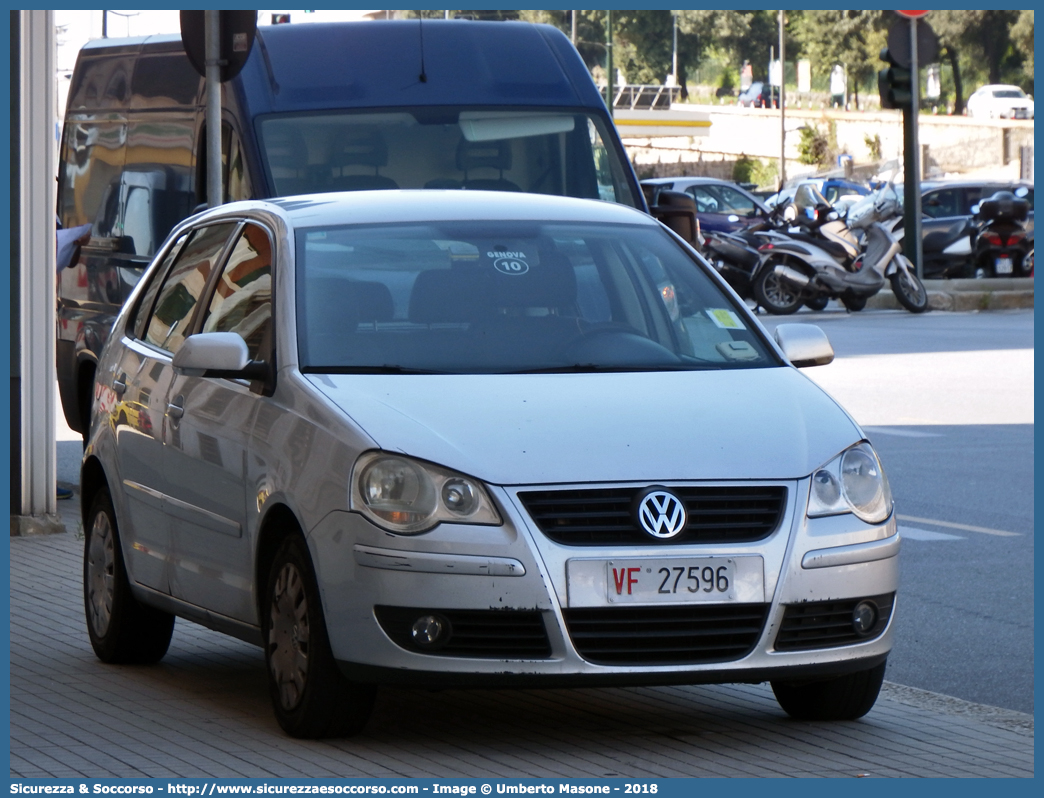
[853,482]
[407,496]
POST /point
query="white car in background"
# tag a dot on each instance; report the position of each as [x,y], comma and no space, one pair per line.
[999,101]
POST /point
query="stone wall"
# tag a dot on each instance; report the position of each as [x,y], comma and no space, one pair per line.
[955,144]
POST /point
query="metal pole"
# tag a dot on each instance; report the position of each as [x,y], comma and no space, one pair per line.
[609,59]
[913,182]
[105,24]
[574,27]
[782,103]
[212,43]
[674,57]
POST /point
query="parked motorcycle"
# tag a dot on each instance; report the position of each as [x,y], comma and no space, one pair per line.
[1000,245]
[824,259]
[737,255]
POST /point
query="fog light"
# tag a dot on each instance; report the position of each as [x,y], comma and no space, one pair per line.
[864,617]
[429,631]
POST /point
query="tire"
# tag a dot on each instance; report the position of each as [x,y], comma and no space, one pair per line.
[909,291]
[817,303]
[310,696]
[854,303]
[1027,264]
[122,630]
[775,295]
[845,697]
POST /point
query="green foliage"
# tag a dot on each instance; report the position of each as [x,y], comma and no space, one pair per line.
[754,170]
[814,147]
[873,145]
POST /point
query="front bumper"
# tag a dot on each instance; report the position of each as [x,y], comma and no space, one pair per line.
[462,574]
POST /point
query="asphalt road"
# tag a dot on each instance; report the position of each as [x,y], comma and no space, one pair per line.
[947,399]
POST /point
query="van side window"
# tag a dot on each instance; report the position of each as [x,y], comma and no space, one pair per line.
[93,155]
[184,285]
[242,299]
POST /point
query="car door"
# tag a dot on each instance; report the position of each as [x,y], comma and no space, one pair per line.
[207,438]
[143,379]
[136,402]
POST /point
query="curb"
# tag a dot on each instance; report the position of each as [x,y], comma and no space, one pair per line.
[963,295]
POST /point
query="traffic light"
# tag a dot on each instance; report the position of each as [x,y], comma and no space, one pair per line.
[894,84]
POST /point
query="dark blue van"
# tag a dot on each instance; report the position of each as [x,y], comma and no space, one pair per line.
[438,104]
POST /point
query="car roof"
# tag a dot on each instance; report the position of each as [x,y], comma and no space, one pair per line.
[928,185]
[439,205]
[692,181]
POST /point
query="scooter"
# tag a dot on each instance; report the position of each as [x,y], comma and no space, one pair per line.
[737,256]
[1000,245]
[831,264]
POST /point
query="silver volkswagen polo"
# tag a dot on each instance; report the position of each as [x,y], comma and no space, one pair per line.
[459,438]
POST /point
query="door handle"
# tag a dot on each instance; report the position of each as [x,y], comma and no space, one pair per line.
[119,385]
[175,409]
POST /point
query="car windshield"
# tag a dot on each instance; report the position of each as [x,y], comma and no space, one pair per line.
[540,152]
[1009,94]
[808,196]
[712,198]
[510,297]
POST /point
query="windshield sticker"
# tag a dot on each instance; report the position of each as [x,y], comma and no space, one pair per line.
[509,262]
[725,319]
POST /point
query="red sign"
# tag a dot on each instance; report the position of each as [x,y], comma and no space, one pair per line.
[912,14]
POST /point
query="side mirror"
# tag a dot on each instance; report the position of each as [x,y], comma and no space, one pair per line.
[1022,192]
[975,209]
[804,345]
[218,354]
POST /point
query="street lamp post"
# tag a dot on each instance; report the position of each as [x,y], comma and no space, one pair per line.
[674,56]
[782,112]
[609,60]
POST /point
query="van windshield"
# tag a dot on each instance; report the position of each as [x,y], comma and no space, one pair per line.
[512,297]
[539,152]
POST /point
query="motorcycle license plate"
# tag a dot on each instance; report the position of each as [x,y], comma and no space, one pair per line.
[1002,265]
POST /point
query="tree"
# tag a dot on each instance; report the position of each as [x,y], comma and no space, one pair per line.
[979,41]
[852,38]
[1022,41]
[738,36]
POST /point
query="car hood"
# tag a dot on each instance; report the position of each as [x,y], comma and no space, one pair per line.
[771,423]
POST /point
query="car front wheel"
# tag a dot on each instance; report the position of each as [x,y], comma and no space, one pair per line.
[842,698]
[122,630]
[310,696]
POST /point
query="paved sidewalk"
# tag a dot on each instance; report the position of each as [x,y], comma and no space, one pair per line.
[204,712]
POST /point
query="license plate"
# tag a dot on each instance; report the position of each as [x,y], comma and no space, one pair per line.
[1003,265]
[671,580]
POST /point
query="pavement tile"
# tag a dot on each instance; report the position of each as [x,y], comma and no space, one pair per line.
[204,712]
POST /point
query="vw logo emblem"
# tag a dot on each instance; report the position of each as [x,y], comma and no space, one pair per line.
[661,514]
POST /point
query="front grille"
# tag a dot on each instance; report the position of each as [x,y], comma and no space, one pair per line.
[492,634]
[824,624]
[607,517]
[665,635]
